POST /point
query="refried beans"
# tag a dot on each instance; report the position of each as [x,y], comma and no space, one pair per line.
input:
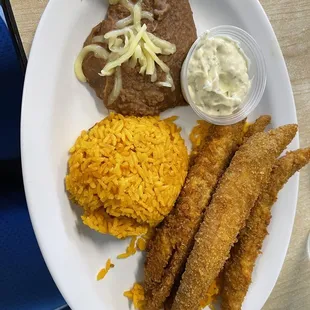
[173,22]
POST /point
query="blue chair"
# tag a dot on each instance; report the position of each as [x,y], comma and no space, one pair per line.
[25,282]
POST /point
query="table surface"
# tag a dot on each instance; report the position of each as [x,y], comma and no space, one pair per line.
[291,22]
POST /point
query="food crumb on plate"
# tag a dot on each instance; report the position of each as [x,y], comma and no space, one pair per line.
[136,295]
[141,244]
[103,272]
[246,127]
[131,249]
[137,243]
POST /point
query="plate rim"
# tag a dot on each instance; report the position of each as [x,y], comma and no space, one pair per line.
[25,171]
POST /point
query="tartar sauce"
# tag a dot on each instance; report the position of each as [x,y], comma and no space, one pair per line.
[218,79]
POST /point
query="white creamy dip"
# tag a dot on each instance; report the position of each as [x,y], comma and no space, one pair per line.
[218,79]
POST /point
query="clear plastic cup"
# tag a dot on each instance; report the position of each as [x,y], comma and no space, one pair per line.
[257,73]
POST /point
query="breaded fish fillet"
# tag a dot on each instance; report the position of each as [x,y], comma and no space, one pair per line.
[168,251]
[157,291]
[258,126]
[226,215]
[238,269]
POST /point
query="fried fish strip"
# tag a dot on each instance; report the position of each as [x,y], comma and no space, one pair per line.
[258,126]
[168,251]
[156,294]
[226,215]
[238,270]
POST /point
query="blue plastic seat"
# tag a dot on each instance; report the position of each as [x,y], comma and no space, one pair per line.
[25,282]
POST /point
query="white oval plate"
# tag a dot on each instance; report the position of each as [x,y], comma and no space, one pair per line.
[56,107]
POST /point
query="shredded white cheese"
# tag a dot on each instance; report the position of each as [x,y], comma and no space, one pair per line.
[117,86]
[106,71]
[98,39]
[143,46]
[98,51]
[131,43]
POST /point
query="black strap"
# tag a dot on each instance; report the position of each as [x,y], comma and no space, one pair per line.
[18,45]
